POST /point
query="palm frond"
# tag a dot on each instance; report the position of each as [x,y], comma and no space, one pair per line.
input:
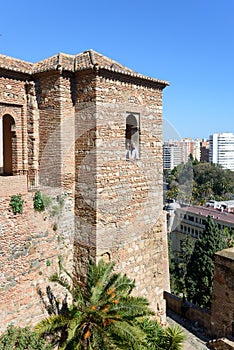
[132,307]
[154,334]
[126,336]
[125,284]
[62,281]
[97,278]
[51,324]
[173,338]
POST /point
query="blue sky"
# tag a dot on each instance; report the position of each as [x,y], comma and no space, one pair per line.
[189,43]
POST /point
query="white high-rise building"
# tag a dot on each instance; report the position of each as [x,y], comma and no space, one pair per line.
[171,155]
[222,149]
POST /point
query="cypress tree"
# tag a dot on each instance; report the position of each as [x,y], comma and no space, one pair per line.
[200,271]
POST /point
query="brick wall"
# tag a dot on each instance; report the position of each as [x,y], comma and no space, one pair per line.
[12,185]
[222,310]
[193,312]
[118,203]
[30,244]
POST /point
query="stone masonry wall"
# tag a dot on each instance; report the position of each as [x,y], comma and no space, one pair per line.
[85,170]
[131,226]
[12,185]
[49,103]
[30,244]
[70,135]
[119,203]
[57,129]
[68,130]
[222,309]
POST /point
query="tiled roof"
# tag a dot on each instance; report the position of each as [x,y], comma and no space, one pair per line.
[92,58]
[216,214]
[86,60]
[15,64]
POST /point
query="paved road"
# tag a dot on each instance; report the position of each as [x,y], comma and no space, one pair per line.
[193,341]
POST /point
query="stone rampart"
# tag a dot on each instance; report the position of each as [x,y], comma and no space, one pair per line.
[30,244]
[222,309]
[188,310]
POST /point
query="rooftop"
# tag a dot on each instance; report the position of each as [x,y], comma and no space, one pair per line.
[89,59]
[216,214]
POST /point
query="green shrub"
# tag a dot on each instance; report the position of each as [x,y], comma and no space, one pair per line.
[47,200]
[38,202]
[16,204]
[22,339]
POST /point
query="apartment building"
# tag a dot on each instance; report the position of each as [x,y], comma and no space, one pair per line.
[171,155]
[204,150]
[177,152]
[222,149]
[192,220]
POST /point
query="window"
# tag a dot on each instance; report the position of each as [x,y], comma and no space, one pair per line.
[190,218]
[132,136]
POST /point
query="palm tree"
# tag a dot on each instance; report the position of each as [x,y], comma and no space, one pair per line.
[159,338]
[102,313]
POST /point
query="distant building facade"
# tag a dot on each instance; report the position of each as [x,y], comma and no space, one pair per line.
[191,221]
[171,155]
[177,152]
[204,150]
[222,150]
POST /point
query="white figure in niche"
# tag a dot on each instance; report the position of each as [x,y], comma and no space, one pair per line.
[134,151]
[128,151]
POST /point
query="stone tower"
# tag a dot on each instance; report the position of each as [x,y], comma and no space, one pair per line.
[92,128]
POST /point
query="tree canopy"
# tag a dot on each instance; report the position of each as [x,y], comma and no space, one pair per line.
[196,182]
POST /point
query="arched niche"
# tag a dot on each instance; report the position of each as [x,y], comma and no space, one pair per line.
[7,135]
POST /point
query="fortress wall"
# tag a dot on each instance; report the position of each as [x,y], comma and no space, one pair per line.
[30,244]
[222,309]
